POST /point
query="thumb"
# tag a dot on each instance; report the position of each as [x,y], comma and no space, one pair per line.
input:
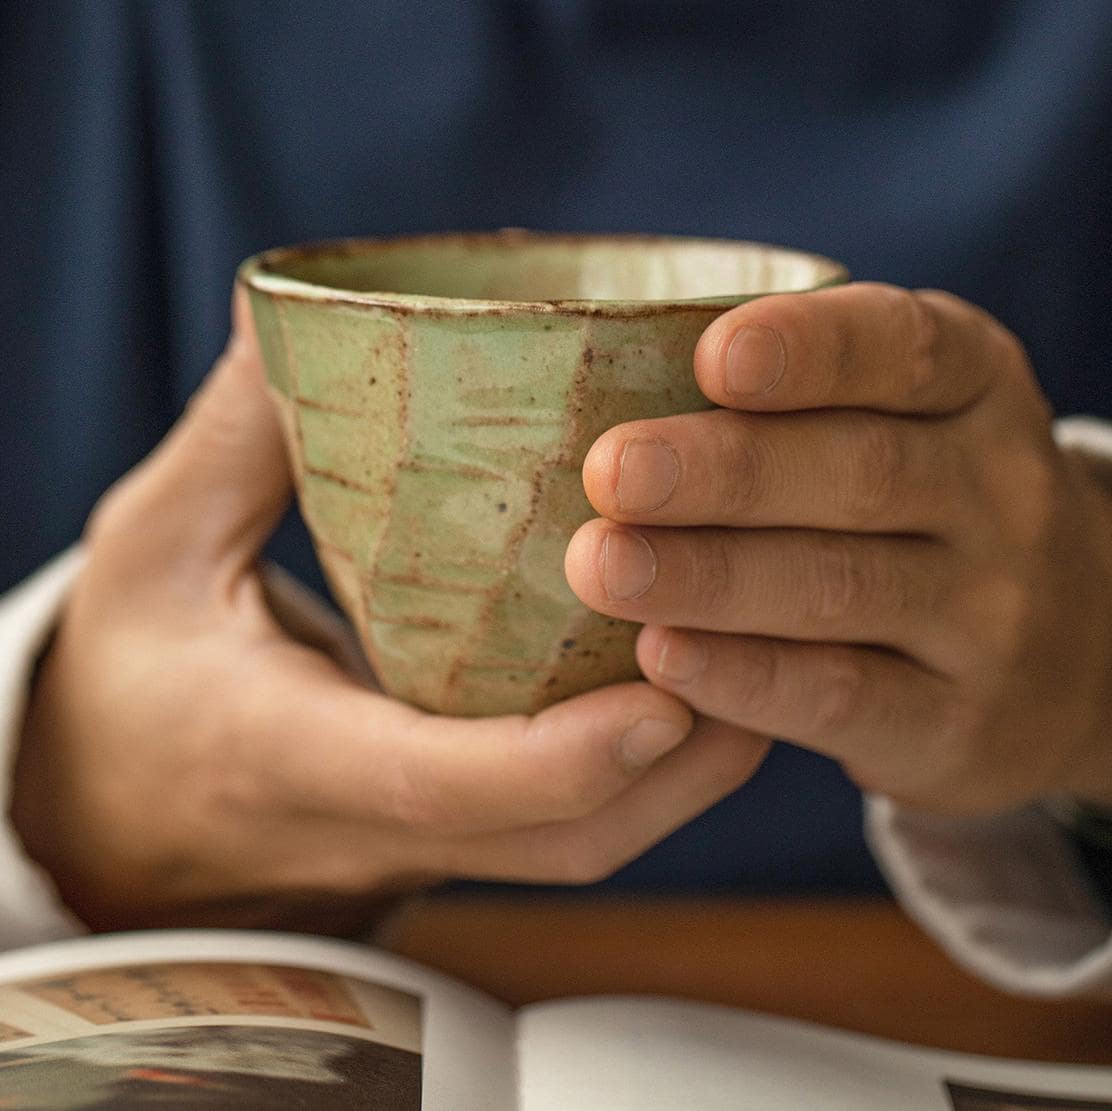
[212,492]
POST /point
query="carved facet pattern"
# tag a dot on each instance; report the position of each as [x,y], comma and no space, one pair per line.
[438,457]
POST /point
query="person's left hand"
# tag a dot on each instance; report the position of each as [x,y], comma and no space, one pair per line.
[874,549]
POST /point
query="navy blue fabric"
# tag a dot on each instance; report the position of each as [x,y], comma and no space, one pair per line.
[149,146]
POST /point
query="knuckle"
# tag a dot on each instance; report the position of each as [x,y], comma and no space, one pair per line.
[923,331]
[840,697]
[759,683]
[839,582]
[745,470]
[711,577]
[877,470]
[845,355]
[853,583]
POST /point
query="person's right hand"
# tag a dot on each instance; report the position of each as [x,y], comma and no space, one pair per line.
[189,758]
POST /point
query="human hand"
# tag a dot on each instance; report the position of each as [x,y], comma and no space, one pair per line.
[190,758]
[875,549]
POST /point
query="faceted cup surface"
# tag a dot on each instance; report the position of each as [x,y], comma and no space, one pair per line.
[438,395]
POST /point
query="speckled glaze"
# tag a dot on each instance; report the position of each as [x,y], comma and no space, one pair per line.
[437,432]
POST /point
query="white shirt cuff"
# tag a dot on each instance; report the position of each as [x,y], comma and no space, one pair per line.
[30,908]
[1005,895]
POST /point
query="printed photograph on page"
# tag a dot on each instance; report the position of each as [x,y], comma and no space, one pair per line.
[208,1034]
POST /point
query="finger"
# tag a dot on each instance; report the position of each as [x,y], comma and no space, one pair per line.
[801,585]
[715,761]
[852,470]
[845,702]
[340,751]
[862,345]
[215,488]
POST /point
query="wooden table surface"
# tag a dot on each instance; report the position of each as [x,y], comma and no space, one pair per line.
[860,964]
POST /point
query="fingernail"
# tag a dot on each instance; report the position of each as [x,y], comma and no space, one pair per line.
[681,658]
[648,741]
[628,565]
[754,360]
[647,475]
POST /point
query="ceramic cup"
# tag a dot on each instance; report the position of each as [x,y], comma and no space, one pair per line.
[438,395]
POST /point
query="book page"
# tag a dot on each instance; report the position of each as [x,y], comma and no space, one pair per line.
[237,1019]
[660,1055]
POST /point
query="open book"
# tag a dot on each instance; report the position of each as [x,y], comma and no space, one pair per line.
[233,1020]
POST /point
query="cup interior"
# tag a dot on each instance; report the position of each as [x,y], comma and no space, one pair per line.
[516,266]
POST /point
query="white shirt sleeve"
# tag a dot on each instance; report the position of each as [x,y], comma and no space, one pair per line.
[30,909]
[1005,895]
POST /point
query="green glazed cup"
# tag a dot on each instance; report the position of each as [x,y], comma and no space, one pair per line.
[438,395]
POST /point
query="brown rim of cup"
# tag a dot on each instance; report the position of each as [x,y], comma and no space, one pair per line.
[263,272]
